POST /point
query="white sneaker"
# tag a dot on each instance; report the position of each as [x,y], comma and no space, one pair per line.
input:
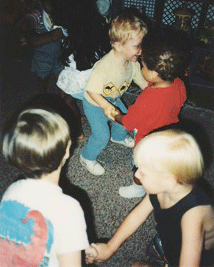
[129,141]
[132,191]
[92,166]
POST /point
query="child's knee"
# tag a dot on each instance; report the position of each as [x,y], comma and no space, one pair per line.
[102,139]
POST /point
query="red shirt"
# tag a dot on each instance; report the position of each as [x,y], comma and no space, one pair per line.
[154,108]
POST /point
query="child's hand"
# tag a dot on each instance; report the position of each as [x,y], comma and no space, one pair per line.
[110,111]
[117,112]
[103,250]
[90,254]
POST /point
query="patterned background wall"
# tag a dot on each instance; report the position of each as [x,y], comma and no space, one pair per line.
[168,18]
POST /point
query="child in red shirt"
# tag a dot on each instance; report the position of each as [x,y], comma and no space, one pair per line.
[163,61]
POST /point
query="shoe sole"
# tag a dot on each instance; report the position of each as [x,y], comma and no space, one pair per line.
[132,196]
[121,144]
[141,196]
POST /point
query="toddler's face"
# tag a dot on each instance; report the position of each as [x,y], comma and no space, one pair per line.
[149,75]
[131,50]
[149,179]
[153,180]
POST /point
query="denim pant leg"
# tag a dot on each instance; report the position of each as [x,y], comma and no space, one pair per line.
[118,131]
[100,132]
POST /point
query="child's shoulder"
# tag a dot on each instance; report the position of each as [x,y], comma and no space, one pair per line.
[104,62]
[178,81]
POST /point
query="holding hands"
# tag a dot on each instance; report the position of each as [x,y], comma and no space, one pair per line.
[110,111]
[117,116]
[98,252]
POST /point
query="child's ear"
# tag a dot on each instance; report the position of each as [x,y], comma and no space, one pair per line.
[154,74]
[118,46]
[171,179]
[67,152]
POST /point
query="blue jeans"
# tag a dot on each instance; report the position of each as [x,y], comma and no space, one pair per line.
[100,132]
[46,61]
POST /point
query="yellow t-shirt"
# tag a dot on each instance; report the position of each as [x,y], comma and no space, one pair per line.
[111,80]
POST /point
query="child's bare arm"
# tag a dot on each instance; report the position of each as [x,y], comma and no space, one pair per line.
[72,259]
[45,38]
[131,223]
[104,252]
[30,36]
[192,227]
[209,234]
[107,107]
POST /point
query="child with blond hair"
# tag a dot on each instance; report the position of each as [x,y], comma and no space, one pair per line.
[111,77]
[39,224]
[169,165]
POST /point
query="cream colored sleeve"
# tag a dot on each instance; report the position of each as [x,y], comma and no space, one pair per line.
[96,79]
[138,76]
[95,82]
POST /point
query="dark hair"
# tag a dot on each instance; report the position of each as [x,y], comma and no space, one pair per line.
[88,37]
[167,52]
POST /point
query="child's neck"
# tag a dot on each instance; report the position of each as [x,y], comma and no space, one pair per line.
[52,177]
[162,84]
[170,198]
[121,61]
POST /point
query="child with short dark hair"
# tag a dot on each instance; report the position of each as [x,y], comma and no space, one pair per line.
[169,165]
[164,61]
[111,77]
[40,226]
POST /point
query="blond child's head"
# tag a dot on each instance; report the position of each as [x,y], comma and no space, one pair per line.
[124,26]
[36,142]
[172,151]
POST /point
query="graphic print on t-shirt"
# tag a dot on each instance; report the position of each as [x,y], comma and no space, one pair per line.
[26,236]
[110,88]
